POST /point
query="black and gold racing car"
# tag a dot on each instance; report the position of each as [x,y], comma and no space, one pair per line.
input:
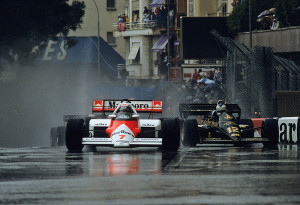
[199,126]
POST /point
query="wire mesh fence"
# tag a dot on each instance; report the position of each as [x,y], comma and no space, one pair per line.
[262,82]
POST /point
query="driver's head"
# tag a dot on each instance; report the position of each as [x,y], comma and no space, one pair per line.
[125,108]
[220,106]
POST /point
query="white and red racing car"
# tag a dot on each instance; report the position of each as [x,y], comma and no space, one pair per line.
[123,128]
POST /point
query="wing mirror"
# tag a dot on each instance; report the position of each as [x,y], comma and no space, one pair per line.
[135,116]
[112,116]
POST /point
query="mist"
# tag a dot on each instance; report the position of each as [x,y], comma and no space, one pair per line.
[39,97]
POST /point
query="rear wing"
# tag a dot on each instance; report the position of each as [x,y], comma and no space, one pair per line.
[144,106]
[186,110]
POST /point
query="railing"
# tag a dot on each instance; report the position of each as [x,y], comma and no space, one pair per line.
[151,24]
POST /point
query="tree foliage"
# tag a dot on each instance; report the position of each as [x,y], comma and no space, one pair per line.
[287,12]
[26,25]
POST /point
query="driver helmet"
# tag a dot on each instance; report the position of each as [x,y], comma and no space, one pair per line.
[125,108]
[220,108]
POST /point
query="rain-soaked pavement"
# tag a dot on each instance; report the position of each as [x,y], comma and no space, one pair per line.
[207,174]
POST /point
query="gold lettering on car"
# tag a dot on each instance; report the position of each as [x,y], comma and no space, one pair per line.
[209,123]
[228,117]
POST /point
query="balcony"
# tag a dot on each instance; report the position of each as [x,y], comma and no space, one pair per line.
[137,28]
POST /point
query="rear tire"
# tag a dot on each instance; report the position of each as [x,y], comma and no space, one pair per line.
[170,134]
[61,136]
[74,134]
[270,130]
[190,136]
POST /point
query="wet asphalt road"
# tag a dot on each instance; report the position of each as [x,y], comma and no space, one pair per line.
[207,174]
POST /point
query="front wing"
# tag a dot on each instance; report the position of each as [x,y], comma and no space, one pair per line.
[216,140]
[219,138]
[137,142]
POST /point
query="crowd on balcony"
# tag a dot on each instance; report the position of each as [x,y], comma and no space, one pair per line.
[154,18]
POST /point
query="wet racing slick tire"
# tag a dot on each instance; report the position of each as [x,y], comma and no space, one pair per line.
[190,136]
[54,136]
[74,134]
[61,141]
[270,130]
[170,134]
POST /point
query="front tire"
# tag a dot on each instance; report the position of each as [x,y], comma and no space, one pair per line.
[74,134]
[270,130]
[170,134]
[190,136]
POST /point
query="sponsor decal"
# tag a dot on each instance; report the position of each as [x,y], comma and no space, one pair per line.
[157,103]
[233,131]
[287,131]
[122,141]
[51,50]
[100,124]
[122,132]
[98,103]
[95,139]
[148,125]
[228,117]
[209,123]
[231,123]
[122,136]
[114,104]
[243,126]
[147,139]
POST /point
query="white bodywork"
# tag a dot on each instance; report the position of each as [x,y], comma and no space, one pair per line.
[122,136]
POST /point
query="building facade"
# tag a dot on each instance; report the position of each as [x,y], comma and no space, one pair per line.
[152,44]
[108,10]
[204,8]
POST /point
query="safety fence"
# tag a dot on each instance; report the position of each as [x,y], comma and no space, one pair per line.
[263,83]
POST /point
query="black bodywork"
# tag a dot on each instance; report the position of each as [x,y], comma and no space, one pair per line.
[200,125]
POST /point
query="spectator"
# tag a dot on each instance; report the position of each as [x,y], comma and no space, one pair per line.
[199,73]
[157,10]
[209,83]
[153,16]
[120,20]
[210,75]
[146,10]
[127,18]
[218,77]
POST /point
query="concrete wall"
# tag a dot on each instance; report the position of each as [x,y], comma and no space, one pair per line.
[281,40]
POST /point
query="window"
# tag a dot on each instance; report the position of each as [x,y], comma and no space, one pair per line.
[110,4]
[137,59]
[111,39]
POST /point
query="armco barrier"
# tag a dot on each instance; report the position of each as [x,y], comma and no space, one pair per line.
[289,129]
